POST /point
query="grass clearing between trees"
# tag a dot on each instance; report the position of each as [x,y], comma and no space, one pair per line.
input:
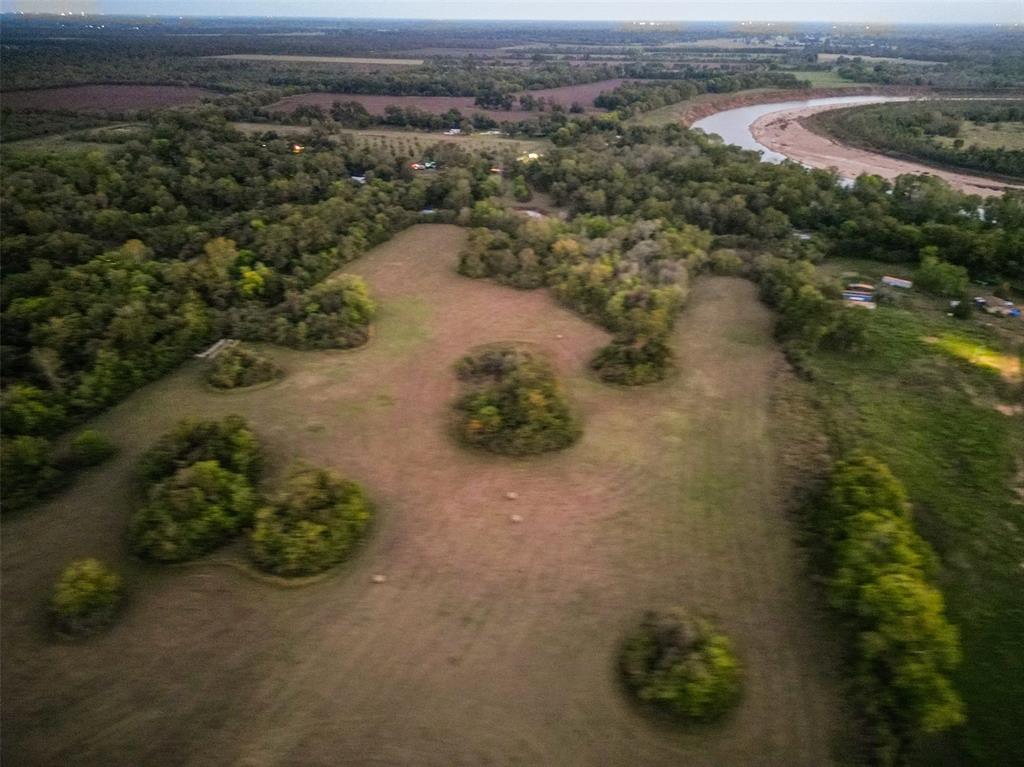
[938,399]
[488,639]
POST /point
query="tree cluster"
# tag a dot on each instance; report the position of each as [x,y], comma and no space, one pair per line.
[634,97]
[879,579]
[514,404]
[809,314]
[238,367]
[311,525]
[199,481]
[630,276]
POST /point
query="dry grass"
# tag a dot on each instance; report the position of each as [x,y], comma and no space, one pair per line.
[490,642]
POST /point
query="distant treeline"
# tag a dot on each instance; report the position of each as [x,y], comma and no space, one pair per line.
[632,97]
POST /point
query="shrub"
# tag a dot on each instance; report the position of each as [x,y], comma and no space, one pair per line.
[85,598]
[236,367]
[25,409]
[633,363]
[311,526]
[682,665]
[726,262]
[228,441]
[192,512]
[90,448]
[940,277]
[515,405]
[28,471]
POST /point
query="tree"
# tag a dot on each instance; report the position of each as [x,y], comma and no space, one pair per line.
[514,404]
[681,665]
[89,448]
[238,367]
[230,442]
[939,277]
[28,470]
[311,526]
[86,598]
[192,512]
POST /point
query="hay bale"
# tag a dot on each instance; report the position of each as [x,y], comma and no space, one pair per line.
[380,578]
[512,495]
[516,518]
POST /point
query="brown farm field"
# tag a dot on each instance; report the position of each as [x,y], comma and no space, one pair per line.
[286,59]
[490,642]
[376,105]
[105,98]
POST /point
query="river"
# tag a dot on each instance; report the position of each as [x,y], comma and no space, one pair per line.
[733,125]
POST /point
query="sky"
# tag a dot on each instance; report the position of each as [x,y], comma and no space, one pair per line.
[848,11]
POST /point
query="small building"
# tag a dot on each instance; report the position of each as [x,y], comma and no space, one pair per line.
[857,298]
[861,287]
[453,132]
[897,282]
[298,149]
[996,306]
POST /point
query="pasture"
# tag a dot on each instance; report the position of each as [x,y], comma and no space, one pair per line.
[489,642]
[1005,135]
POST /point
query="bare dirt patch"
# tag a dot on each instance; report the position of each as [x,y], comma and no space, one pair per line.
[786,133]
[487,642]
[105,98]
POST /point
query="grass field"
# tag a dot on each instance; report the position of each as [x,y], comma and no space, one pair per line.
[827,79]
[941,401]
[1009,135]
[830,57]
[318,59]
[490,643]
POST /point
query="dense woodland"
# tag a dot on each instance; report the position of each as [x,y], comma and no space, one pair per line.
[121,261]
[918,131]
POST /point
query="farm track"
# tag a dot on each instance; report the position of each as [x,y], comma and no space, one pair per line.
[490,643]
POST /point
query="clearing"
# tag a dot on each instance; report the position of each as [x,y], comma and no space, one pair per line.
[1006,135]
[106,98]
[490,642]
